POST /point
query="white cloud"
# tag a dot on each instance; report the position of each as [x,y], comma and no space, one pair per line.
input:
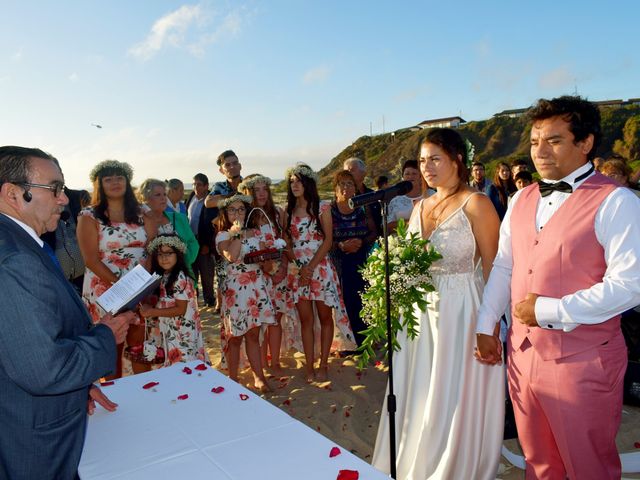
[558,78]
[190,28]
[317,74]
[74,77]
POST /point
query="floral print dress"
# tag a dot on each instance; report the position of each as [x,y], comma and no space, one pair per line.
[246,302]
[182,335]
[324,285]
[120,247]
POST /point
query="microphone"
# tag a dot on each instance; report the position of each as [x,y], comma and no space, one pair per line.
[385,194]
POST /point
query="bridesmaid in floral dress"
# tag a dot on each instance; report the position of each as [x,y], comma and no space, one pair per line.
[309,227]
[177,305]
[112,236]
[246,306]
[285,332]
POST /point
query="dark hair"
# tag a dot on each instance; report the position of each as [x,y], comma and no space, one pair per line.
[310,195]
[410,164]
[222,221]
[224,155]
[504,187]
[15,163]
[343,175]
[583,117]
[519,161]
[100,202]
[201,177]
[381,180]
[523,175]
[269,208]
[477,164]
[453,144]
[180,266]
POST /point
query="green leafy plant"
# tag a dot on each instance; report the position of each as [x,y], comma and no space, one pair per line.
[410,258]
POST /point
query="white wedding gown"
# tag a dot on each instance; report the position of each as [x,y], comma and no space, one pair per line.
[450,408]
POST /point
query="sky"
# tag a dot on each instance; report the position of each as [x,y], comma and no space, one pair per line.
[173,84]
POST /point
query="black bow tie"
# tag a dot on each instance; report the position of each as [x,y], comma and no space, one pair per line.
[547,188]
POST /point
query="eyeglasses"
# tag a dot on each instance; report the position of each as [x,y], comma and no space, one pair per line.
[346,185]
[55,187]
[236,210]
[165,254]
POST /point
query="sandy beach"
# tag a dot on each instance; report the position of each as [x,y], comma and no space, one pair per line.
[346,409]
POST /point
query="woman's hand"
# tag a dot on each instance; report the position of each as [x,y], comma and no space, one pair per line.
[305,275]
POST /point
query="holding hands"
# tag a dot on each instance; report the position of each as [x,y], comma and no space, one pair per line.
[489,347]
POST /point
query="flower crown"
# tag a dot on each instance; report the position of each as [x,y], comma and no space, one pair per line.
[471,151]
[301,169]
[167,240]
[123,167]
[248,183]
[224,203]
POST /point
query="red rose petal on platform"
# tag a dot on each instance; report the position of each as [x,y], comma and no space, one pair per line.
[243,397]
[149,385]
[348,475]
[183,396]
[107,384]
[335,451]
[187,370]
[217,389]
[636,445]
[201,367]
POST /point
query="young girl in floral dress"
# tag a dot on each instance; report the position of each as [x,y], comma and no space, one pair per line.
[309,227]
[285,332]
[246,304]
[177,306]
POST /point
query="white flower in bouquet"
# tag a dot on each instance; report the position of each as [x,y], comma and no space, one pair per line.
[410,258]
[149,351]
[280,244]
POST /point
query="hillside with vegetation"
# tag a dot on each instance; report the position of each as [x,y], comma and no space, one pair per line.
[496,139]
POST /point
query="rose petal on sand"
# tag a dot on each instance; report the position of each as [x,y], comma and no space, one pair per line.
[287,402]
[636,445]
[149,385]
[184,396]
[348,475]
[335,451]
[217,389]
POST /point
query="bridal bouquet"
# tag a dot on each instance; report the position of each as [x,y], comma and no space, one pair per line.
[410,258]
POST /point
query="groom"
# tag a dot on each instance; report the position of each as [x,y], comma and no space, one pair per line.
[569,263]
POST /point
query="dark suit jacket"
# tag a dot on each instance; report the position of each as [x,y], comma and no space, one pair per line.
[205,229]
[49,355]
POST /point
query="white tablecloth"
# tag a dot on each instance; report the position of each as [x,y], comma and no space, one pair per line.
[154,436]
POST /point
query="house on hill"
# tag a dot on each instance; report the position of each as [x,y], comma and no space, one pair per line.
[448,122]
[514,113]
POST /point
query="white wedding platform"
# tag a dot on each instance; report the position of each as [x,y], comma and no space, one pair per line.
[154,435]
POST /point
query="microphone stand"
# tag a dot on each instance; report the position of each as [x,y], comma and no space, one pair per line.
[391,398]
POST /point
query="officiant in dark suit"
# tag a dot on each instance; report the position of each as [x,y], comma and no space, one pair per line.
[49,351]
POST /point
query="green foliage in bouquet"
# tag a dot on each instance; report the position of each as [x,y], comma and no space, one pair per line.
[410,258]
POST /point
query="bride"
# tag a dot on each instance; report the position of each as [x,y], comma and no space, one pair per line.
[450,407]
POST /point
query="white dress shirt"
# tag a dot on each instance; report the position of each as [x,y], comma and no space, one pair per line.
[617,229]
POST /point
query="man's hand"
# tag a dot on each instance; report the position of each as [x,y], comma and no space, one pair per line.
[96,395]
[119,324]
[352,245]
[525,311]
[489,347]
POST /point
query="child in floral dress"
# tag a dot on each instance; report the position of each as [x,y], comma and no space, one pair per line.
[246,304]
[309,227]
[177,307]
[285,333]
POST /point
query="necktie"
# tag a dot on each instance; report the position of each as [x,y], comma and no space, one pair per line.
[548,188]
[52,255]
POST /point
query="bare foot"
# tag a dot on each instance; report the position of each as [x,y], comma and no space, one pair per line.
[310,376]
[262,386]
[323,373]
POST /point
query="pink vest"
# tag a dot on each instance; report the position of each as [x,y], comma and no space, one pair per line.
[562,258]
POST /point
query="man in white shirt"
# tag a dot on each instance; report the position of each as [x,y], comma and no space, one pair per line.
[569,263]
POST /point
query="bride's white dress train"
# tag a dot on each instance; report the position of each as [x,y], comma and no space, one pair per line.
[450,408]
